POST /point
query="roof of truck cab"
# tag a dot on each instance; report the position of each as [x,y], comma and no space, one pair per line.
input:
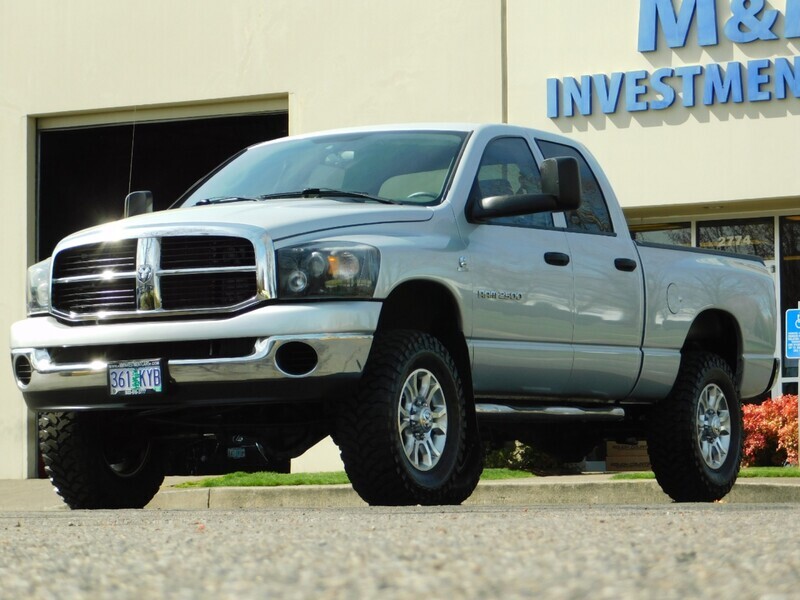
[439,126]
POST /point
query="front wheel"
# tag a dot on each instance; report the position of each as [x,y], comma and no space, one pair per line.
[94,462]
[405,439]
[696,434]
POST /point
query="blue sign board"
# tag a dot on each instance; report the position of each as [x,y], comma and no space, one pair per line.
[793,333]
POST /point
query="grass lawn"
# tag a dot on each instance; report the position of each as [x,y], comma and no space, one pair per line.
[265,479]
[747,472]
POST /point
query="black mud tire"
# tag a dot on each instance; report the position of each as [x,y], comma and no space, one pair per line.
[469,471]
[372,427]
[687,468]
[77,449]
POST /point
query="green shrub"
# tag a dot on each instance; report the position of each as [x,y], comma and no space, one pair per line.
[522,457]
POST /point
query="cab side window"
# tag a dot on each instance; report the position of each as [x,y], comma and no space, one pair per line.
[507,168]
[592,216]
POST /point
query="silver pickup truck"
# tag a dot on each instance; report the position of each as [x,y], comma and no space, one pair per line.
[412,291]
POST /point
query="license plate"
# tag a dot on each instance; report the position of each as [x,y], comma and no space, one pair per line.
[135,377]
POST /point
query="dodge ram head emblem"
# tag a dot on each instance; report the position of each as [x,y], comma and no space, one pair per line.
[144,273]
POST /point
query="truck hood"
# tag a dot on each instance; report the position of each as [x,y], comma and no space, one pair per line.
[279,219]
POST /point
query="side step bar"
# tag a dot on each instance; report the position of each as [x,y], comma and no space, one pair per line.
[547,413]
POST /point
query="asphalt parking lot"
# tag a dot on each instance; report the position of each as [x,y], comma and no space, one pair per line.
[664,551]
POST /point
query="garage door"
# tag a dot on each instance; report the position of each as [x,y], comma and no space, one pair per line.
[84,173]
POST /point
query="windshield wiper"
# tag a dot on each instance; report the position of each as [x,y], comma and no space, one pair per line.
[326,193]
[224,199]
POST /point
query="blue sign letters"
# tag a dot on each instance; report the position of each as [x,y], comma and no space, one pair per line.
[746,21]
[753,81]
[745,25]
[676,27]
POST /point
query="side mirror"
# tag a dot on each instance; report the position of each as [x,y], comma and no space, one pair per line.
[561,191]
[138,203]
[561,178]
[511,206]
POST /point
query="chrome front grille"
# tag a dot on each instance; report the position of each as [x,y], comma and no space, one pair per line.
[206,252]
[155,275]
[212,290]
[88,296]
[98,258]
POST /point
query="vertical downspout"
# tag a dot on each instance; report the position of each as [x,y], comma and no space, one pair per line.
[504,59]
[31,254]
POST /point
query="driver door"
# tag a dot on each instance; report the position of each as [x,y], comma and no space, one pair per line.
[522,285]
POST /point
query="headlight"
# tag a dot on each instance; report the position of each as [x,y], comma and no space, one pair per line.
[38,291]
[333,270]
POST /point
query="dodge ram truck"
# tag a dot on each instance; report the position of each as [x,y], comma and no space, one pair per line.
[416,292]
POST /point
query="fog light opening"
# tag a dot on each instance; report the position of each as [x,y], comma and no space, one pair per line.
[23,370]
[296,359]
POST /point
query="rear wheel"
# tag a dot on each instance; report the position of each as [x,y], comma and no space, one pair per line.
[95,463]
[695,435]
[405,438]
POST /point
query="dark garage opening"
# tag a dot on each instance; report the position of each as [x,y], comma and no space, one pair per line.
[85,173]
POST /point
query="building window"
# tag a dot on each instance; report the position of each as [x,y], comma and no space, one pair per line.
[741,236]
[671,234]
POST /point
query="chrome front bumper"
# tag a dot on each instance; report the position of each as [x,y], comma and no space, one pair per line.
[336,355]
[287,362]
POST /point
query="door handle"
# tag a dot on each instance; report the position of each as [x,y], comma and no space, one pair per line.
[625,264]
[558,259]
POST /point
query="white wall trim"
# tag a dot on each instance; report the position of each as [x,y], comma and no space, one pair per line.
[171,112]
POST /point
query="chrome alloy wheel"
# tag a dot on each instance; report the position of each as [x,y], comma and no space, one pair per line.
[713,426]
[422,419]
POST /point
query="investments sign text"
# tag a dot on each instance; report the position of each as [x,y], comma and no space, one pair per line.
[742,22]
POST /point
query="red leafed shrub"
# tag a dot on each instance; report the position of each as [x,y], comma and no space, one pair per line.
[770,432]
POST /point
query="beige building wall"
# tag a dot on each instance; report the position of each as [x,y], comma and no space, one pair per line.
[334,64]
[354,62]
[678,156]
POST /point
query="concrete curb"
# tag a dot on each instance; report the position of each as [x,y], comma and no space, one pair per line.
[311,496]
[754,491]
[588,489]
[490,493]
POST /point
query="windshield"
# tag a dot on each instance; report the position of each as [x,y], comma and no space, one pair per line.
[401,166]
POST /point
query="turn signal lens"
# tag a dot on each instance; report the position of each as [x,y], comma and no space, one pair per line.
[344,265]
[38,290]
